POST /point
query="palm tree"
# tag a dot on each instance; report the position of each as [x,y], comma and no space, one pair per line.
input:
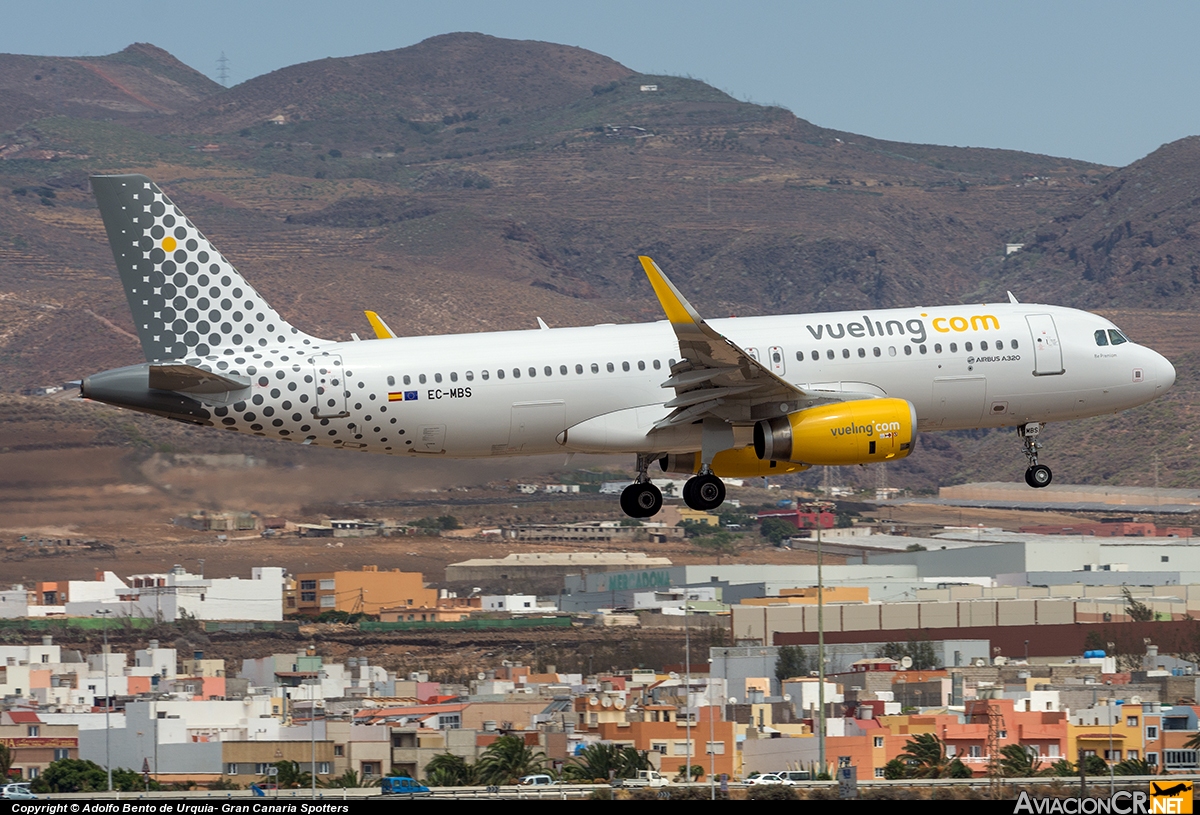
[449,770]
[1133,766]
[926,757]
[507,759]
[290,777]
[1018,761]
[601,761]
[6,760]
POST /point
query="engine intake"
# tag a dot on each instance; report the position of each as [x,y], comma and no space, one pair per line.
[859,432]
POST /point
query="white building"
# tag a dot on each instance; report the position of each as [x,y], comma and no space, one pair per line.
[176,593]
[515,604]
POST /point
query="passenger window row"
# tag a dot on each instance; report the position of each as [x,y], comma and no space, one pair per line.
[532,371]
[876,351]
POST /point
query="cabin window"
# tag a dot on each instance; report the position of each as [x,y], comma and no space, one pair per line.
[1014,344]
[625,366]
[516,373]
[908,350]
[999,345]
[470,376]
[830,353]
[407,379]
[921,348]
[891,350]
[776,357]
[641,365]
[937,348]
[610,367]
[862,352]
[437,377]
[816,355]
[453,376]
[953,348]
[968,346]
[799,356]
[421,379]
[845,353]
[532,371]
[877,351]
[391,381]
[549,371]
[578,368]
[595,368]
[983,346]
[562,369]
[1116,337]
[499,373]
[656,364]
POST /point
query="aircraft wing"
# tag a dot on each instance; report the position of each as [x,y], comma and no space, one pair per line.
[716,378]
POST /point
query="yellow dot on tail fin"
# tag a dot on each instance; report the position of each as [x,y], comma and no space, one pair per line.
[168,244]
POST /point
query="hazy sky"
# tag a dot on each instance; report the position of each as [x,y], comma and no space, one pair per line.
[1099,80]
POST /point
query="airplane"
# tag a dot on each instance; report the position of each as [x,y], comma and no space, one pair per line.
[1171,791]
[726,398]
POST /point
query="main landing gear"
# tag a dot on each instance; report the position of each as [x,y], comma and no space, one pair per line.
[641,499]
[1038,475]
[704,492]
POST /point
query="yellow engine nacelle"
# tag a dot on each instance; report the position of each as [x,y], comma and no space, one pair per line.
[859,432]
[737,462]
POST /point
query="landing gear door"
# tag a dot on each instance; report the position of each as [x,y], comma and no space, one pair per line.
[329,386]
[1047,351]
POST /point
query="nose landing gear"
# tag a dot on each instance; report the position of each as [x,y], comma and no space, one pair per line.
[1038,475]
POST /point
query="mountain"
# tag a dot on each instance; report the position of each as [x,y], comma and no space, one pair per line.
[1134,240]
[138,81]
[473,183]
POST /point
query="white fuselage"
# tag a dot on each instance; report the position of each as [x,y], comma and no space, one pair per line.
[516,392]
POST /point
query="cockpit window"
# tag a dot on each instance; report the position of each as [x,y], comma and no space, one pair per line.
[1116,336]
[1101,337]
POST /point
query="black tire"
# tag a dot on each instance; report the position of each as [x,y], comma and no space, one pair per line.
[1039,476]
[649,500]
[706,492]
[641,500]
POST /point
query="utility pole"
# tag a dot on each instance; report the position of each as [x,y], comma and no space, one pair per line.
[820,652]
[105,613]
[223,70]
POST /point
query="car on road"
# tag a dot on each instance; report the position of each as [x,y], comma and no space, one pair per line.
[536,780]
[16,791]
[769,779]
[403,785]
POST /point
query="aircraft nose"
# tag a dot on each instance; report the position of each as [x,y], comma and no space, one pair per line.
[1165,372]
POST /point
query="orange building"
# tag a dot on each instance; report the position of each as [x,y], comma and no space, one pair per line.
[367,591]
[448,609]
[665,736]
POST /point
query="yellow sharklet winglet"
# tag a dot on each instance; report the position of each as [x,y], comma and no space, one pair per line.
[382,331]
[678,310]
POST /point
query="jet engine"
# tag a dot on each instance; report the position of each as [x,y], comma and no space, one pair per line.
[858,432]
[737,462]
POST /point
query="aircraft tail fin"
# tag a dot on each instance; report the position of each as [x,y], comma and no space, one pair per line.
[188,302]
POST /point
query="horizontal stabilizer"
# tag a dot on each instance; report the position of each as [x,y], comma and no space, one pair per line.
[190,379]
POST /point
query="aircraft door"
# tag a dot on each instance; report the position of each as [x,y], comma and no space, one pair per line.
[777,364]
[1047,351]
[329,387]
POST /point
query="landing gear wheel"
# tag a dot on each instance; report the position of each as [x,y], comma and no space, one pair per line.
[642,500]
[1039,476]
[704,492]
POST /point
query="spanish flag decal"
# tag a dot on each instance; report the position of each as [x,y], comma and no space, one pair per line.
[402,396]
